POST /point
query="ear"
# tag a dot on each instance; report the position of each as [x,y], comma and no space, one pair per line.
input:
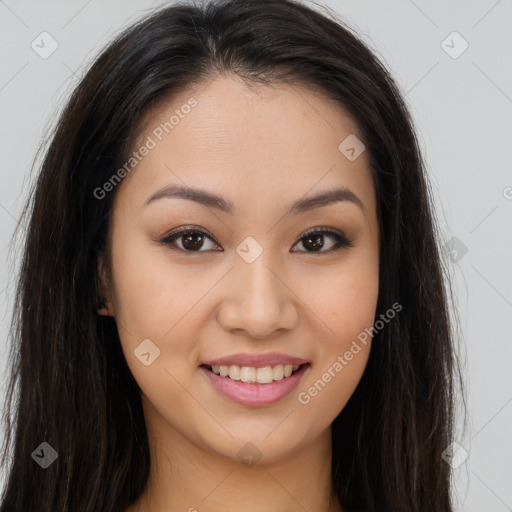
[105,306]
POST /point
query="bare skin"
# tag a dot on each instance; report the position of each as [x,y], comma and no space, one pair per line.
[262,148]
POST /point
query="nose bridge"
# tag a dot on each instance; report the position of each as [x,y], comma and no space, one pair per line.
[257,300]
[259,281]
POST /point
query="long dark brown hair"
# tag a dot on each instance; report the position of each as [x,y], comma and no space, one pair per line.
[70,385]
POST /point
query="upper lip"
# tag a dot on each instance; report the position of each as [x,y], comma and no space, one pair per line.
[256,360]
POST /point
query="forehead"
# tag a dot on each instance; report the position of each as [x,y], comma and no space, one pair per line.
[253,143]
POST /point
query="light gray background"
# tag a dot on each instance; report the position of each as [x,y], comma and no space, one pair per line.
[462,108]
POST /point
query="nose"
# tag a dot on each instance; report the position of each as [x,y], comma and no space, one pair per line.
[258,301]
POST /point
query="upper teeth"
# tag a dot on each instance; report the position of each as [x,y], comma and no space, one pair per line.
[263,375]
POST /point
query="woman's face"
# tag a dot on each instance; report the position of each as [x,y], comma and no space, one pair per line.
[247,291]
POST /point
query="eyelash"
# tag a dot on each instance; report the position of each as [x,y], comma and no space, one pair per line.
[340,240]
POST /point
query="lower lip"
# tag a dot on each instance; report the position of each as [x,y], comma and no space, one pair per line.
[252,394]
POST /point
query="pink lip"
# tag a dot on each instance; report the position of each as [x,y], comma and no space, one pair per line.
[256,360]
[253,394]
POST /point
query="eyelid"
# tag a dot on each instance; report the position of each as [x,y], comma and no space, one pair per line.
[185,229]
[322,229]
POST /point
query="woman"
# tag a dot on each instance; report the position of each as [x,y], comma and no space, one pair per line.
[231,294]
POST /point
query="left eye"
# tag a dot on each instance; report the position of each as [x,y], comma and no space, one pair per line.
[192,240]
[314,240]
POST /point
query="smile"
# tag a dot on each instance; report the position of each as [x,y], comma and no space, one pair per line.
[255,386]
[251,374]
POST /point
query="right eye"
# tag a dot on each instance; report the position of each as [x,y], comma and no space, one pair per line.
[188,240]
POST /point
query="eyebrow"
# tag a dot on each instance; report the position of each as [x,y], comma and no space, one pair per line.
[214,201]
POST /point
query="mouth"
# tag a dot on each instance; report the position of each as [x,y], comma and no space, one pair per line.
[256,380]
[253,386]
[256,375]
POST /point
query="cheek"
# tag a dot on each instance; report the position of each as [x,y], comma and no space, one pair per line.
[151,294]
[342,297]
[148,307]
[329,388]
[345,305]
[168,304]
